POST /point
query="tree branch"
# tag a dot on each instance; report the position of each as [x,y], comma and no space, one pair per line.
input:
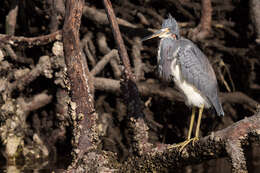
[30,41]
[222,143]
[102,63]
[204,28]
[151,89]
[119,41]
[129,89]
[85,136]
[95,15]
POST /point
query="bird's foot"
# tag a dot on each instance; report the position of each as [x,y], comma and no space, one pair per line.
[184,143]
[194,140]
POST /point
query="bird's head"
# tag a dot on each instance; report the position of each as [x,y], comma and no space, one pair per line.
[169,29]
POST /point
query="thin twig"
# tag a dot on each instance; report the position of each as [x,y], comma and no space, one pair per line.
[103,47]
[102,63]
[11,18]
[87,44]
[118,39]
[204,28]
[185,12]
[206,17]
[36,102]
[95,15]
[13,55]
[42,68]
[136,54]
[146,89]
[30,41]
[130,91]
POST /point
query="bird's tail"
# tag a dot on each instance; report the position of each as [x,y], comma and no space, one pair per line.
[217,105]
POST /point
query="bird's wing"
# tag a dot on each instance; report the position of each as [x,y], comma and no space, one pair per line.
[197,71]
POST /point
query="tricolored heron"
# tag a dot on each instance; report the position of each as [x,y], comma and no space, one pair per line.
[181,61]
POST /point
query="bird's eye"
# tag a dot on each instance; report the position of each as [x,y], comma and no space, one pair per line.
[174,36]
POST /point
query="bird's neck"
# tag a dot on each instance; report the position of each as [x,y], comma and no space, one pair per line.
[170,40]
[168,47]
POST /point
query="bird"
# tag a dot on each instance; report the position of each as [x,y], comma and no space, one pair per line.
[180,61]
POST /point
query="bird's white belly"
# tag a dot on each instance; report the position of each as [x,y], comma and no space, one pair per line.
[193,96]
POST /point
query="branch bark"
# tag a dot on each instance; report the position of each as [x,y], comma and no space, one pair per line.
[30,41]
[11,18]
[100,17]
[78,73]
[101,64]
[226,142]
[119,41]
[255,14]
[129,90]
[204,28]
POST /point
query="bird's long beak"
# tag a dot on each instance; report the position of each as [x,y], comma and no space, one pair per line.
[156,34]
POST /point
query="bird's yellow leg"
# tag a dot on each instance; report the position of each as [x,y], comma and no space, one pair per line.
[197,130]
[191,122]
[198,125]
[187,141]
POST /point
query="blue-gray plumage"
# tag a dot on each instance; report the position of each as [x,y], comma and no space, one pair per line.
[195,71]
[181,61]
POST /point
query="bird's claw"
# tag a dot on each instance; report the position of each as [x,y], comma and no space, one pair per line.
[194,140]
[184,143]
